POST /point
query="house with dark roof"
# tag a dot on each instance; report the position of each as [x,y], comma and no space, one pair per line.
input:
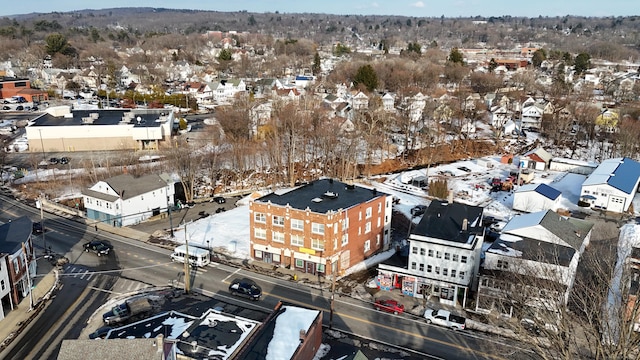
[612,185]
[535,197]
[156,348]
[444,255]
[61,129]
[530,269]
[17,255]
[323,227]
[127,200]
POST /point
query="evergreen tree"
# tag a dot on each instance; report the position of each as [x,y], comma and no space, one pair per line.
[316,64]
[582,63]
[225,55]
[538,57]
[456,57]
[367,77]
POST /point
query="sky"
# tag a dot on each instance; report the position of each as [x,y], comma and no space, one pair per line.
[414,8]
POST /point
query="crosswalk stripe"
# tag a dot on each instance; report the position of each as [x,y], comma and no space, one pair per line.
[83,275]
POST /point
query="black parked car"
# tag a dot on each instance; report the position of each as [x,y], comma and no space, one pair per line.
[219,200]
[37,228]
[246,288]
[54,160]
[100,333]
[418,210]
[64,160]
[98,247]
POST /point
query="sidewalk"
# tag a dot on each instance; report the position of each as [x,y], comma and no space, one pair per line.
[19,319]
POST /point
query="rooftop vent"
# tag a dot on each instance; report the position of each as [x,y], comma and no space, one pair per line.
[351,186]
[316,200]
[330,195]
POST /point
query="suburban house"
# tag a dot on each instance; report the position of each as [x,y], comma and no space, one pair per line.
[530,269]
[17,255]
[323,227]
[499,116]
[388,102]
[6,302]
[360,101]
[444,255]
[535,197]
[536,159]
[532,112]
[612,185]
[63,129]
[226,90]
[10,86]
[125,200]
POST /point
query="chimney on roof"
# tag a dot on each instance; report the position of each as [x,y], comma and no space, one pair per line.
[303,335]
[450,197]
[465,224]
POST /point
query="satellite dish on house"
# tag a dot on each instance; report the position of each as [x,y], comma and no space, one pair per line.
[138,119]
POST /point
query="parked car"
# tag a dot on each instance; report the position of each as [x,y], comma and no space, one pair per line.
[98,247]
[128,310]
[37,228]
[246,288]
[464,168]
[389,305]
[64,160]
[19,107]
[54,160]
[418,210]
[219,200]
[100,333]
[444,318]
[6,107]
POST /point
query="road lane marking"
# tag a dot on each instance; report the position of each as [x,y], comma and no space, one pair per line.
[230,275]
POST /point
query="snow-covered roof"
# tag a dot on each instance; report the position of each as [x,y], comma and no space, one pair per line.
[289,324]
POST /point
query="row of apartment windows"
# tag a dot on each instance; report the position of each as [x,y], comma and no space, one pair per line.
[107,204]
[296,240]
[438,254]
[437,270]
[298,225]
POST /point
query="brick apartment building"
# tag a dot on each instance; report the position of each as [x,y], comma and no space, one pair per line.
[323,227]
[21,87]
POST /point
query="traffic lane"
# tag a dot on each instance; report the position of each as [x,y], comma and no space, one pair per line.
[359,317]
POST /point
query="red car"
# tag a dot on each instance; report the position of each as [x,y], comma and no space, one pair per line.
[388,305]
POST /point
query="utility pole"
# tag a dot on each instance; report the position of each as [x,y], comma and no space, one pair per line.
[44,243]
[187,272]
[333,290]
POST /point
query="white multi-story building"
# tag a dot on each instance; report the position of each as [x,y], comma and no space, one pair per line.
[444,255]
[125,200]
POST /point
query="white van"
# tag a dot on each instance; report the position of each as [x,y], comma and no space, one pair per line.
[197,256]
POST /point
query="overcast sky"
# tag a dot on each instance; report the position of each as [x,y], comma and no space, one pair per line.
[415,8]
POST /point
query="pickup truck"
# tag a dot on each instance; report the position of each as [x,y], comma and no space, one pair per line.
[444,318]
[129,309]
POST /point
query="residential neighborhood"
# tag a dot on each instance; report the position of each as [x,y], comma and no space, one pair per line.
[266,185]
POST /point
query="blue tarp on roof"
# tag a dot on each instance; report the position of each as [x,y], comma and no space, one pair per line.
[547,191]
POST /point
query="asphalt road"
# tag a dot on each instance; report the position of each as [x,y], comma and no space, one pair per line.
[88,281]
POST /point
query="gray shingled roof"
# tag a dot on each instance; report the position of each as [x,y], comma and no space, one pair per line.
[571,230]
[129,186]
[444,221]
[120,349]
[13,234]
